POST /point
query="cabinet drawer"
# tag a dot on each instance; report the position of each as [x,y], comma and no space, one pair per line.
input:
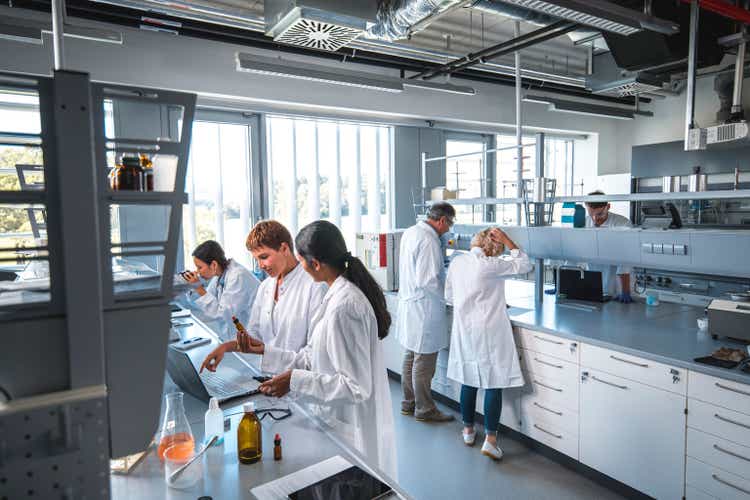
[555,437]
[551,368]
[726,424]
[696,494]
[719,391]
[547,412]
[719,452]
[557,392]
[630,367]
[716,482]
[551,345]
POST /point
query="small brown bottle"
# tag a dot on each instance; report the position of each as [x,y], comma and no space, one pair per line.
[239,326]
[249,436]
[277,447]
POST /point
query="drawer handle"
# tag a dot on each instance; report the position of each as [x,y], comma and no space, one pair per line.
[549,364]
[727,388]
[729,420]
[548,340]
[547,386]
[558,436]
[724,481]
[728,452]
[558,413]
[642,365]
[609,383]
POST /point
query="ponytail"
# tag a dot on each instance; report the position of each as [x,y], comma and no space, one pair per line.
[210,251]
[357,273]
[322,241]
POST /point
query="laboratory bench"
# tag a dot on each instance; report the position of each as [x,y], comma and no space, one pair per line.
[615,388]
[305,442]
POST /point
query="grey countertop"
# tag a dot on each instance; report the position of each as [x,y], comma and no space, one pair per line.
[667,333]
[304,444]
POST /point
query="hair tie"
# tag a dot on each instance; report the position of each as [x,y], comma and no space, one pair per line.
[347,259]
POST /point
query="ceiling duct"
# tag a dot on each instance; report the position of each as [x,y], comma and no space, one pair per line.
[601,14]
[514,12]
[396,18]
[318,24]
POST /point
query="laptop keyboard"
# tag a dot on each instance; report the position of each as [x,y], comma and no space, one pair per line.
[220,387]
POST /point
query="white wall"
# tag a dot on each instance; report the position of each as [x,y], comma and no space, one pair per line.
[208,68]
[668,123]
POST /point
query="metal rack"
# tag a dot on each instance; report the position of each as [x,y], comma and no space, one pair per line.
[97,341]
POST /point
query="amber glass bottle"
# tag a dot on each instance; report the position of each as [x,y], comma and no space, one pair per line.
[249,436]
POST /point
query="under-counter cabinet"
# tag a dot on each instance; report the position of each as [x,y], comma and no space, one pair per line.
[631,428]
[718,439]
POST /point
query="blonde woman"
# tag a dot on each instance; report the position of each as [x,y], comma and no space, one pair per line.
[482,352]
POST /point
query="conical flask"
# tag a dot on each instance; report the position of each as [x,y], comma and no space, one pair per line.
[175,429]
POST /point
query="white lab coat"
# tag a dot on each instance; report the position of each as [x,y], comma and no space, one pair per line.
[231,294]
[341,374]
[482,352]
[610,283]
[420,318]
[285,324]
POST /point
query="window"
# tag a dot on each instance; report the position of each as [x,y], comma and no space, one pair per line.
[338,171]
[219,189]
[465,175]
[558,164]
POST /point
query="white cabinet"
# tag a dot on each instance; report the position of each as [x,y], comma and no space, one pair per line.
[716,482]
[718,449]
[642,370]
[549,403]
[633,432]
[551,345]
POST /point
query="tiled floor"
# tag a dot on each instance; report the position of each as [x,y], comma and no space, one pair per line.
[434,464]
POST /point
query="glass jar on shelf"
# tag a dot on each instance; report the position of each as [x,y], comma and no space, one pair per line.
[127,175]
[148,172]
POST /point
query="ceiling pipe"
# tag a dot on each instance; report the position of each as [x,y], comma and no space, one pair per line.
[727,10]
[542,34]
[58,38]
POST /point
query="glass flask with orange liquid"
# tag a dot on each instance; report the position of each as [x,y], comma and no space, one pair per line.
[175,429]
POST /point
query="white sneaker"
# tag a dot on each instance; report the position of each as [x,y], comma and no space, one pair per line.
[494,452]
[469,438]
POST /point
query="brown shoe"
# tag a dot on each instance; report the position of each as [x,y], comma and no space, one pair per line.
[408,413]
[435,416]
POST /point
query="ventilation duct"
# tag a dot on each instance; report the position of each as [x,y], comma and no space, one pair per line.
[318,24]
[397,17]
[514,12]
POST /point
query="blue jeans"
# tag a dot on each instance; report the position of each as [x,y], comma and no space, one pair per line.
[493,406]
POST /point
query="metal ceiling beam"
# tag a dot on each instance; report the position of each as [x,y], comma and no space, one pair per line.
[537,36]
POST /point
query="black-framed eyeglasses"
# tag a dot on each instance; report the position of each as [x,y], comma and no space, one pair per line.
[275,413]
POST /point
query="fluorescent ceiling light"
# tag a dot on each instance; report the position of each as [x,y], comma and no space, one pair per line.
[25,34]
[251,63]
[440,87]
[92,34]
[600,14]
[277,67]
[581,108]
[36,28]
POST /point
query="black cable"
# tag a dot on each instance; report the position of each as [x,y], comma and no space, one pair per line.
[6,394]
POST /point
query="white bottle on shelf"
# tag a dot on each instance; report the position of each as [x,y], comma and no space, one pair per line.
[214,423]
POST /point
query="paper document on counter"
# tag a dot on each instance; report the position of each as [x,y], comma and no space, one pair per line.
[281,488]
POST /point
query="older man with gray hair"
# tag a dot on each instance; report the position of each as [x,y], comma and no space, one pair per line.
[420,321]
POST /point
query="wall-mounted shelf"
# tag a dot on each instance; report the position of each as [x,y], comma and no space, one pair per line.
[703,195]
[151,198]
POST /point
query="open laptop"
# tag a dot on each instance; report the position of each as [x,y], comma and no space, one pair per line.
[206,385]
[574,284]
